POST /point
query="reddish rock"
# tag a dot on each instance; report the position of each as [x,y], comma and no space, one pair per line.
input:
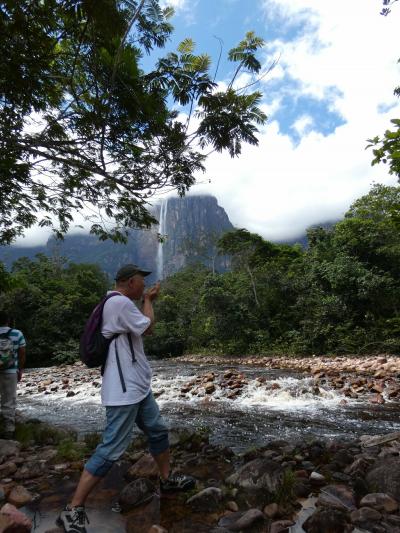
[380,502]
[271,510]
[145,467]
[19,496]
[19,522]
[7,469]
[378,399]
[209,389]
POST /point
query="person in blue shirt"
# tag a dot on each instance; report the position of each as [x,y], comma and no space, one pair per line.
[12,363]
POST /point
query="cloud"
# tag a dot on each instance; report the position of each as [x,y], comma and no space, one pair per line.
[342,57]
[176,4]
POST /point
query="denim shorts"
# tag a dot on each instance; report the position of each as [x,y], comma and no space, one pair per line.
[118,433]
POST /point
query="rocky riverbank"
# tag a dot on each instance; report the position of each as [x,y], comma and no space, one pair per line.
[315,486]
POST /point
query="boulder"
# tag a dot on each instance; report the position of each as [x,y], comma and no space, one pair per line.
[207,500]
[136,493]
[16,520]
[384,477]
[30,470]
[145,467]
[364,516]
[337,497]
[281,526]
[243,520]
[145,517]
[271,510]
[327,521]
[19,496]
[258,474]
[7,469]
[9,448]
[380,501]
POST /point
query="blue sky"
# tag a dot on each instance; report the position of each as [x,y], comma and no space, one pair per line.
[331,90]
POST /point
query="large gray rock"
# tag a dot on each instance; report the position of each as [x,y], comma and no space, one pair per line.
[384,476]
[258,474]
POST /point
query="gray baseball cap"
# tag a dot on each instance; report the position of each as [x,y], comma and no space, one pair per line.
[127,271]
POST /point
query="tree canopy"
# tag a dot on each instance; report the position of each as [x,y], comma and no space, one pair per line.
[386,148]
[84,128]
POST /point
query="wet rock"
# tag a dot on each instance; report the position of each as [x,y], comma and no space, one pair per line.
[30,470]
[384,476]
[144,467]
[136,493]
[14,520]
[144,517]
[343,458]
[327,521]
[302,488]
[359,466]
[380,502]
[340,476]
[7,469]
[281,526]
[8,448]
[258,474]
[232,506]
[19,496]
[360,487]
[363,516]
[157,529]
[207,500]
[317,478]
[243,520]
[393,519]
[209,389]
[271,510]
[337,497]
[377,399]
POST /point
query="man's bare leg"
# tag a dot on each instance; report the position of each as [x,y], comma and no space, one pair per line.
[163,460]
[86,484]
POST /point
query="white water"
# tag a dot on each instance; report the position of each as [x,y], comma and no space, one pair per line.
[162,226]
[271,404]
[294,393]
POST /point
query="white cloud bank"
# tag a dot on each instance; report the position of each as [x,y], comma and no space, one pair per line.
[346,55]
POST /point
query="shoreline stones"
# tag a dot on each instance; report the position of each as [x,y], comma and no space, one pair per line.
[250,492]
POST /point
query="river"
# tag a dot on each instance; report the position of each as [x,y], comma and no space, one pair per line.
[294,409]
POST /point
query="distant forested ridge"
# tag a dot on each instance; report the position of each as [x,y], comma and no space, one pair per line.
[340,295]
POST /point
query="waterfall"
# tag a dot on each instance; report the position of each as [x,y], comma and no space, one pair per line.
[162,231]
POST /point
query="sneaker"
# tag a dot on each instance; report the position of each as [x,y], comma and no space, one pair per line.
[177,482]
[73,519]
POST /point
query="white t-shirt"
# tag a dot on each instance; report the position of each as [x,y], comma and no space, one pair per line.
[120,315]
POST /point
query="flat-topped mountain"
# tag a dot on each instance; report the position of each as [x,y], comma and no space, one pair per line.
[189,228]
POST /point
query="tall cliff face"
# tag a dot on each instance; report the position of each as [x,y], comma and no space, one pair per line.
[189,229]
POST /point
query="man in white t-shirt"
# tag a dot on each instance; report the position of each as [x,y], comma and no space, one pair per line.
[126,394]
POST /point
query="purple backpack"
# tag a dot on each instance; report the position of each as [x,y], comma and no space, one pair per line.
[94,346]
